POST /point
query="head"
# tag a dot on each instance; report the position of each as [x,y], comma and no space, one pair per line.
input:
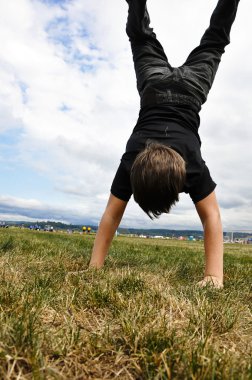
[157,176]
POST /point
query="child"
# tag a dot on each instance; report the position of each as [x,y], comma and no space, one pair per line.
[163,155]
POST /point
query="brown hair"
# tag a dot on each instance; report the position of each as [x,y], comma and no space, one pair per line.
[157,176]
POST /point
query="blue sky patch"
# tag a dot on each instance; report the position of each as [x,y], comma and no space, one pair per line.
[23,87]
[86,68]
[55,2]
[58,31]
[29,182]
[10,137]
[59,34]
[65,108]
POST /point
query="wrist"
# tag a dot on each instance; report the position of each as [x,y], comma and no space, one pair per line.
[214,277]
[216,280]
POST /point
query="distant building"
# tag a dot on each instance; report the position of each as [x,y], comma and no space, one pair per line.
[48,228]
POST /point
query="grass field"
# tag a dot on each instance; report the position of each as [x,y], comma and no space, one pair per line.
[141,317]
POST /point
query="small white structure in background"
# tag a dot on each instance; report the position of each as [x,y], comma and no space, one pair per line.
[48,228]
[229,237]
[3,225]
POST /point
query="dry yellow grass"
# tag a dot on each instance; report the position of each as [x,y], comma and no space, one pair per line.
[141,317]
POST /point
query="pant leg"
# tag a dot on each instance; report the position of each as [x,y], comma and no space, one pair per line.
[149,57]
[202,63]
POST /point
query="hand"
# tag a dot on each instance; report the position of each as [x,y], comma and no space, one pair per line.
[213,281]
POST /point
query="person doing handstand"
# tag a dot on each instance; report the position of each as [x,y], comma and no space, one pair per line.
[163,157]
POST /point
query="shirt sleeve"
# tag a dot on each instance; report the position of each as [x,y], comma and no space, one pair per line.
[121,186]
[203,188]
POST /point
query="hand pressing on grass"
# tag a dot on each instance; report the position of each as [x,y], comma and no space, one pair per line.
[213,281]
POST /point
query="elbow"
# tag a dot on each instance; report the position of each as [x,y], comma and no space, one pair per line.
[111,217]
[214,218]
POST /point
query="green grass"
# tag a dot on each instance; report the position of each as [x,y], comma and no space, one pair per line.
[141,317]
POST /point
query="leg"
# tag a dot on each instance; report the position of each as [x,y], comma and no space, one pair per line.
[202,63]
[149,58]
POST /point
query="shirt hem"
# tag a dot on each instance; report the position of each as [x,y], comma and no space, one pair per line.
[125,199]
[198,199]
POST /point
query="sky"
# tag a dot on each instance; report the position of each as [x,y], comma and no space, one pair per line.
[68,104]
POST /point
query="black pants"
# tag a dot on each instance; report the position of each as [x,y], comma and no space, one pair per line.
[157,80]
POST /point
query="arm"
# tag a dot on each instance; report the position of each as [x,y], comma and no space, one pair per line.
[107,228]
[209,214]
